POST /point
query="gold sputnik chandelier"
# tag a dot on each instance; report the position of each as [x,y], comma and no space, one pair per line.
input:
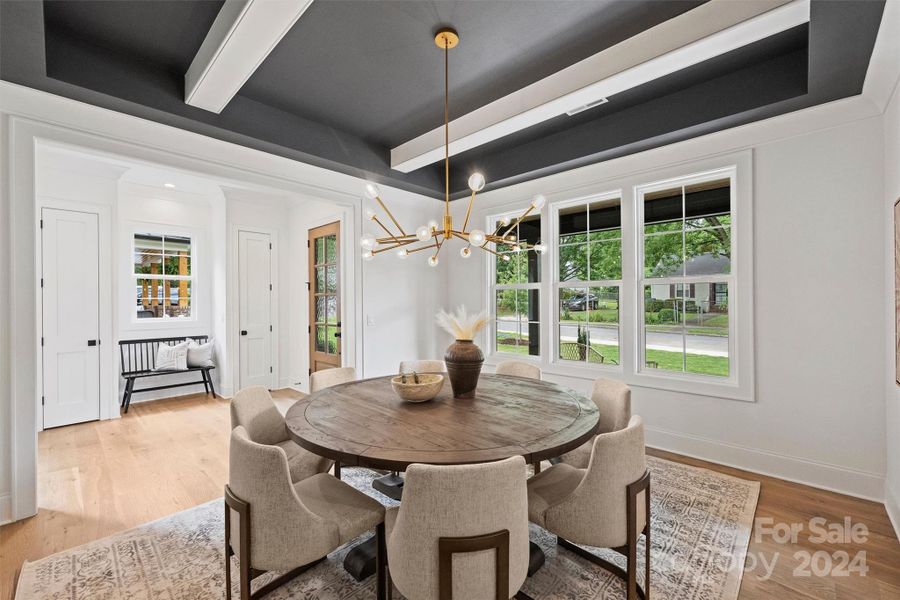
[433,235]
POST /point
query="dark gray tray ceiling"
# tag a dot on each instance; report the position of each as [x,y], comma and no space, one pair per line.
[354,78]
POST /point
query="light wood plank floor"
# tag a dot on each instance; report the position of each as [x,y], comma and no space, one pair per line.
[100,478]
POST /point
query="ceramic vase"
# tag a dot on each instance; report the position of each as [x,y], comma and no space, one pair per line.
[464,360]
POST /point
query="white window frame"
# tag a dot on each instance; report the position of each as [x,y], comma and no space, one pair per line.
[493,288]
[731,278]
[163,232]
[740,385]
[553,244]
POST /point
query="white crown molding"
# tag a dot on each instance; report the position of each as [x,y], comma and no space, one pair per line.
[240,39]
[705,32]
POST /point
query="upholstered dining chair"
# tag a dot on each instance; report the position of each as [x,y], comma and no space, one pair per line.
[518,368]
[613,398]
[423,366]
[275,524]
[327,378]
[606,505]
[253,409]
[451,516]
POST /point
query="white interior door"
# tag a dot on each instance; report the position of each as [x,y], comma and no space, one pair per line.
[71,316]
[255,298]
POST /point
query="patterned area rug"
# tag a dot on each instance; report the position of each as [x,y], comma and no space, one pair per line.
[701,523]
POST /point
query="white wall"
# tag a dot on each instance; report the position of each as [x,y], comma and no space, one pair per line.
[892,395]
[818,414]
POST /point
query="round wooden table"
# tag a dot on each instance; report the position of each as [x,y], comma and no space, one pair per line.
[364,423]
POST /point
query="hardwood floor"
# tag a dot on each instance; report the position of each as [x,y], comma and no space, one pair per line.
[99,478]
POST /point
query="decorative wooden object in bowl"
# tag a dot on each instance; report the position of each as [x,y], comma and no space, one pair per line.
[417,388]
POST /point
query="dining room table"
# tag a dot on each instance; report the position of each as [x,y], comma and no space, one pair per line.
[366,424]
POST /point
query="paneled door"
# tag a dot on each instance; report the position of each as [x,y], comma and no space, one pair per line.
[255,308]
[324,297]
[70,298]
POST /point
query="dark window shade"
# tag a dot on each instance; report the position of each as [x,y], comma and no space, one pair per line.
[601,218]
[700,203]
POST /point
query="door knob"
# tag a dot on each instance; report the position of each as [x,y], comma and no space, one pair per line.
[243,332]
[92,342]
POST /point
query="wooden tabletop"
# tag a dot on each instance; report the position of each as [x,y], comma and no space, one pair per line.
[364,423]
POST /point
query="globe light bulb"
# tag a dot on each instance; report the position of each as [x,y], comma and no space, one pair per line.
[505,257]
[476,182]
[504,221]
[476,237]
[432,261]
[367,241]
[372,190]
[432,225]
[370,214]
[402,253]
[465,251]
[367,255]
[538,201]
[540,247]
[423,233]
[516,248]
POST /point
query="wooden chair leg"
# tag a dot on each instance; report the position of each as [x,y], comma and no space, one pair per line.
[380,563]
[129,390]
[337,469]
[212,388]
[228,552]
[205,382]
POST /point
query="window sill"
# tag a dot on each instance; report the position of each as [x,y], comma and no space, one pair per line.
[665,382]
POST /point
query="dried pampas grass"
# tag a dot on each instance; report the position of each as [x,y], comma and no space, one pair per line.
[460,324]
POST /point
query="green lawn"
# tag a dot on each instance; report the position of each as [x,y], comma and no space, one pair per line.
[666,361]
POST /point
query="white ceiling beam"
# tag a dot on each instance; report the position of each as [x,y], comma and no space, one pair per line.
[705,32]
[241,37]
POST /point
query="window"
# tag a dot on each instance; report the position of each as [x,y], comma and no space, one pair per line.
[515,289]
[686,275]
[163,276]
[589,269]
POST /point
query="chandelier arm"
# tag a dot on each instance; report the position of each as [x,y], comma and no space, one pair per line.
[517,221]
[469,210]
[393,240]
[393,246]
[446,127]
[378,199]
[420,248]
[486,249]
[386,230]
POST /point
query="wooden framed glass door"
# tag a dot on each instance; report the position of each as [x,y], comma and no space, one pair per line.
[324,297]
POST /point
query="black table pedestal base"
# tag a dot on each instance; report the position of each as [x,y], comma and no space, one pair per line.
[391,485]
[536,558]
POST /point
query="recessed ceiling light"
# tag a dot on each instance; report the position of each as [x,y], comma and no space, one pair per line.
[169,185]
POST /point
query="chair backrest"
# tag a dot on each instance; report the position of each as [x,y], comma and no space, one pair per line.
[459,501]
[258,474]
[423,366]
[330,377]
[595,514]
[253,409]
[613,398]
[518,369]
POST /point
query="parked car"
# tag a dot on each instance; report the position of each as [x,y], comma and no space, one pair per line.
[582,302]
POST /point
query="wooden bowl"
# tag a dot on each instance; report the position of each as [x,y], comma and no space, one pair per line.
[428,387]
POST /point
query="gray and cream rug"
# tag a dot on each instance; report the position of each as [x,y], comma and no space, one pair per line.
[701,523]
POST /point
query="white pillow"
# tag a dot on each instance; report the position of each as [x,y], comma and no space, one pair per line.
[171,358]
[200,355]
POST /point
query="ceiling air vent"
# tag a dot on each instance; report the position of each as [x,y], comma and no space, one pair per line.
[590,105]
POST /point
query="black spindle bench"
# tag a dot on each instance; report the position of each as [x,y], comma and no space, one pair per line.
[138,359]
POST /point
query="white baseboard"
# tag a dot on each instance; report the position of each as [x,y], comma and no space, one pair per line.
[892,505]
[834,478]
[5,508]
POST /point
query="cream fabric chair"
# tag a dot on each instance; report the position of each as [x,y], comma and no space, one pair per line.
[518,368]
[606,505]
[423,366]
[274,524]
[253,409]
[451,527]
[613,398]
[327,378]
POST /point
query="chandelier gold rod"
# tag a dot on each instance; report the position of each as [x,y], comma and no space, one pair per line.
[446,127]
[519,220]
[386,230]
[392,240]
[469,210]
[385,208]
[393,246]
[420,248]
